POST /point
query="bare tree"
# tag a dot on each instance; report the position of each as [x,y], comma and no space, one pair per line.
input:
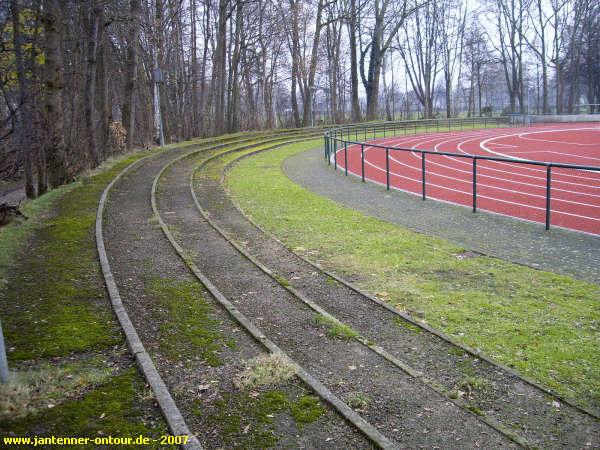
[452,31]
[476,57]
[388,17]
[510,29]
[131,71]
[420,48]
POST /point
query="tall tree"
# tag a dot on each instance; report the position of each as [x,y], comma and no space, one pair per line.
[353,20]
[131,71]
[388,15]
[23,111]
[510,28]
[452,31]
[55,148]
[92,19]
[420,49]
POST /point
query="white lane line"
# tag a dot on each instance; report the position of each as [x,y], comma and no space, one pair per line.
[465,192]
[520,135]
[512,191]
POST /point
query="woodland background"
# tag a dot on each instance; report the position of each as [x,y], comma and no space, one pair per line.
[82,80]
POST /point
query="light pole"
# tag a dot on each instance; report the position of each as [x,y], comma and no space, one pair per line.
[158,127]
[312,91]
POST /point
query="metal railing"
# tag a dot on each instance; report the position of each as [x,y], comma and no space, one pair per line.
[342,137]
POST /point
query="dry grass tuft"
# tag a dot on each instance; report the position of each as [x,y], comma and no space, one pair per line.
[265,370]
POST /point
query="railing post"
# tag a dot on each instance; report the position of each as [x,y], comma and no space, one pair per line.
[362,161]
[335,155]
[474,185]
[387,168]
[346,157]
[548,182]
[423,174]
[327,150]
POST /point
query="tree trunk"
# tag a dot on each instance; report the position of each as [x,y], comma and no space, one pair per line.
[131,72]
[309,90]
[55,149]
[233,110]
[352,29]
[157,132]
[295,61]
[194,123]
[23,115]
[102,76]
[219,69]
[90,82]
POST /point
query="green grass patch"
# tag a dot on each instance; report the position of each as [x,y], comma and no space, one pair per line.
[358,400]
[15,235]
[306,410]
[335,328]
[55,302]
[33,390]
[544,325]
[212,169]
[117,408]
[187,328]
[246,419]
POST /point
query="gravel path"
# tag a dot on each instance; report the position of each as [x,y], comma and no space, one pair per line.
[559,251]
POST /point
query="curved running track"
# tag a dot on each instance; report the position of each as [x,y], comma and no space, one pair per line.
[516,190]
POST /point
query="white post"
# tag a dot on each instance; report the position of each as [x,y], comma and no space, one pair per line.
[4,375]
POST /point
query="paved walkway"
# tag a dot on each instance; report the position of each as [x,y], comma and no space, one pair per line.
[559,251]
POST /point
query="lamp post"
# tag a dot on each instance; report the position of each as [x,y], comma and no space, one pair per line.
[158,127]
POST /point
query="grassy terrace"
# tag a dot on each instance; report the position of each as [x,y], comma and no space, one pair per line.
[71,373]
[70,369]
[544,325]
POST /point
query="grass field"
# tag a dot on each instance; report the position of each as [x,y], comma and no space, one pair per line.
[544,325]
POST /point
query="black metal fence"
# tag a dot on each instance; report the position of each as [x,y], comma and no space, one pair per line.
[341,138]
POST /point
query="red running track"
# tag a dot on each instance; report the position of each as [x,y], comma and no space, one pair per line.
[511,189]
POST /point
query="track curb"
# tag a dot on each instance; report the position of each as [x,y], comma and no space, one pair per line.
[167,405]
[480,355]
[348,413]
[440,390]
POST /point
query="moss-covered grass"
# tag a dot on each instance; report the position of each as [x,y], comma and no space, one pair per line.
[55,302]
[118,408]
[545,325]
[246,419]
[187,328]
[32,390]
[55,311]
